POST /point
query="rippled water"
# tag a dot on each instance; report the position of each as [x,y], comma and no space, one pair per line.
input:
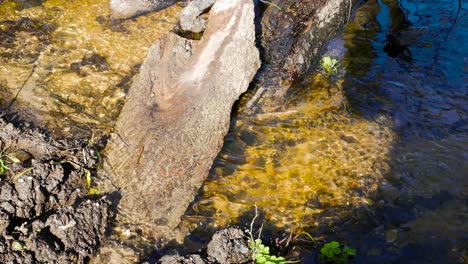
[378,160]
[67,66]
[375,159]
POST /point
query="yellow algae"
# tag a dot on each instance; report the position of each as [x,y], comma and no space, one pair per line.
[306,161]
[45,53]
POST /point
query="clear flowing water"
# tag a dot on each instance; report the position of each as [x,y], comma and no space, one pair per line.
[377,158]
[65,65]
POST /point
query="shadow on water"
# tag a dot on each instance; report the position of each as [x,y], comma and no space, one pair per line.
[413,71]
[379,164]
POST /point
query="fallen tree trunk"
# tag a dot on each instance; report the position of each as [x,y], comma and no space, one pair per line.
[293,33]
[177,113]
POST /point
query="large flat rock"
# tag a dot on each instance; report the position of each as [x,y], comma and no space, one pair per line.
[177,113]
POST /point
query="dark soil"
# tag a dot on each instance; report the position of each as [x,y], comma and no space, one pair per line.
[46,213]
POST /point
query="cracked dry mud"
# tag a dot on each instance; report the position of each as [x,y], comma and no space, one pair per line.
[46,213]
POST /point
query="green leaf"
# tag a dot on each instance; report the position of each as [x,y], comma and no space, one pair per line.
[88,178]
[16,245]
[93,191]
[13,158]
[349,251]
[258,242]
[23,172]
[261,260]
[333,244]
[326,252]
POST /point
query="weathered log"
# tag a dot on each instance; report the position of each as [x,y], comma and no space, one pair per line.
[121,9]
[177,113]
[292,36]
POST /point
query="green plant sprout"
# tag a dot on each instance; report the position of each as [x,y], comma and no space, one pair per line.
[5,160]
[330,65]
[87,175]
[260,252]
[335,253]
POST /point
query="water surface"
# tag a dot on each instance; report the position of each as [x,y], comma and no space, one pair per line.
[376,158]
[66,65]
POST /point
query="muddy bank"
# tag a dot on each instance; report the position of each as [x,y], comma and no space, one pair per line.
[46,212]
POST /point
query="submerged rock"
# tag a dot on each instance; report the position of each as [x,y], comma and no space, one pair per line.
[177,113]
[293,33]
[121,9]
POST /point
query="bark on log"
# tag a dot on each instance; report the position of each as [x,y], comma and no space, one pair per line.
[177,113]
[291,39]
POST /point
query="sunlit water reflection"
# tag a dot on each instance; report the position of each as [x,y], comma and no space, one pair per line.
[68,64]
[379,161]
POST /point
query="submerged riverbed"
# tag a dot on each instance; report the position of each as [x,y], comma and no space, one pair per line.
[378,160]
[67,66]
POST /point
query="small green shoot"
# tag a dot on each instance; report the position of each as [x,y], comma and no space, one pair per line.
[330,65]
[335,253]
[87,176]
[260,252]
[93,191]
[5,160]
[309,236]
[17,245]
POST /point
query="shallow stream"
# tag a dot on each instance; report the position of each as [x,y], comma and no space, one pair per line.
[65,65]
[374,157]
